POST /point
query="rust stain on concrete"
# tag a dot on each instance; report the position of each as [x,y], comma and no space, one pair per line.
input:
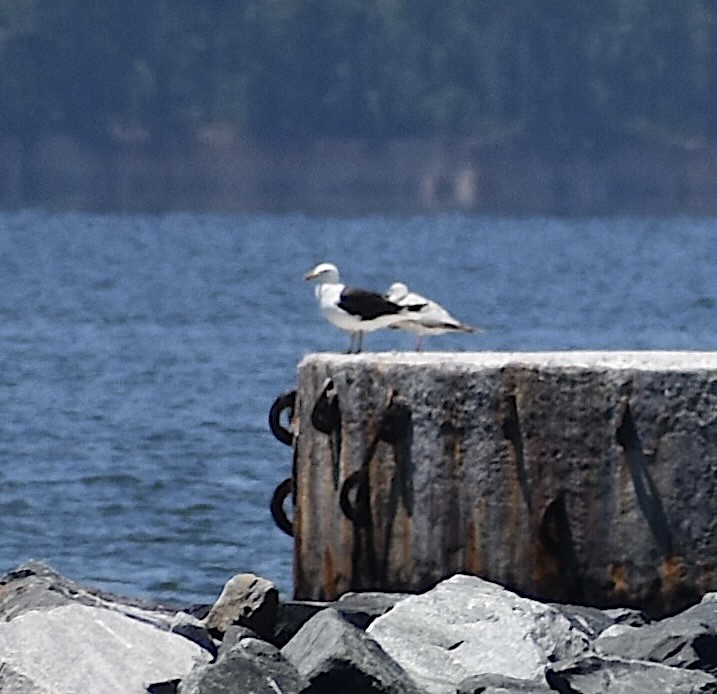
[496,441]
[328,582]
[619,578]
[472,555]
[672,574]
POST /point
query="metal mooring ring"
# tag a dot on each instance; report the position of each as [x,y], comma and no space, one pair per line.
[277,506]
[286,401]
[326,414]
[395,422]
[356,511]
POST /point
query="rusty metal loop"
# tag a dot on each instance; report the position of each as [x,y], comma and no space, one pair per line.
[357,511]
[553,525]
[286,401]
[626,434]
[325,415]
[278,499]
[395,422]
[393,426]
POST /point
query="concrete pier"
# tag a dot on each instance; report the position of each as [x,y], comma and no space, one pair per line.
[575,476]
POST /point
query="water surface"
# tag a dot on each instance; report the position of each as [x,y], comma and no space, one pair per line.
[140,356]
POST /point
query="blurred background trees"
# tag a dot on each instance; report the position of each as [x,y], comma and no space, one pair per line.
[571,73]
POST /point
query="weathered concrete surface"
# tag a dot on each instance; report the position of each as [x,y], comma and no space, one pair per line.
[587,477]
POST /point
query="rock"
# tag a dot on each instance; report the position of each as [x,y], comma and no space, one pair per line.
[15,682]
[33,586]
[291,616]
[334,656]
[233,635]
[627,616]
[36,586]
[687,640]
[589,620]
[358,608]
[594,621]
[193,629]
[247,600]
[500,684]
[466,626]
[200,611]
[362,608]
[76,648]
[247,665]
[595,675]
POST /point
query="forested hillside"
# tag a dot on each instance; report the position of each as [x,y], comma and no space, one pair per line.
[558,72]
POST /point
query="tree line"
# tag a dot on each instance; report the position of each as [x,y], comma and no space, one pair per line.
[553,72]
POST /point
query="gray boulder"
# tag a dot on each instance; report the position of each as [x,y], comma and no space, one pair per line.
[195,630]
[589,620]
[593,621]
[361,608]
[233,635]
[14,682]
[358,608]
[76,648]
[245,665]
[336,656]
[596,675]
[248,600]
[687,640]
[466,626]
[37,586]
[501,684]
[627,616]
[291,616]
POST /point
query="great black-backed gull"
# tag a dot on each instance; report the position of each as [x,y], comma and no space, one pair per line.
[430,319]
[357,311]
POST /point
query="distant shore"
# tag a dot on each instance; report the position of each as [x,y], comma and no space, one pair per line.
[220,172]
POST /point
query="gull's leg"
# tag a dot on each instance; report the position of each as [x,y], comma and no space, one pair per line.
[419,343]
[360,341]
[351,343]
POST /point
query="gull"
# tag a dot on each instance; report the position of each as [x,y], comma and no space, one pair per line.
[356,311]
[429,318]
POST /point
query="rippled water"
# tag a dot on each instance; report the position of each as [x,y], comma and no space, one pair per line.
[140,356]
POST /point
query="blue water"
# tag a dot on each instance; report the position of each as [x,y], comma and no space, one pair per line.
[140,356]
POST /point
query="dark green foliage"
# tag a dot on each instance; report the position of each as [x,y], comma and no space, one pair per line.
[561,73]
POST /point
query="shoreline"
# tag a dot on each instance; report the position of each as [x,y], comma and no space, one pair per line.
[222,172]
[465,635]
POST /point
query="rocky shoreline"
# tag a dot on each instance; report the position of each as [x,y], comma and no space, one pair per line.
[464,636]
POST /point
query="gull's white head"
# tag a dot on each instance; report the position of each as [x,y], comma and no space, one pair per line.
[324,273]
[397,291]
